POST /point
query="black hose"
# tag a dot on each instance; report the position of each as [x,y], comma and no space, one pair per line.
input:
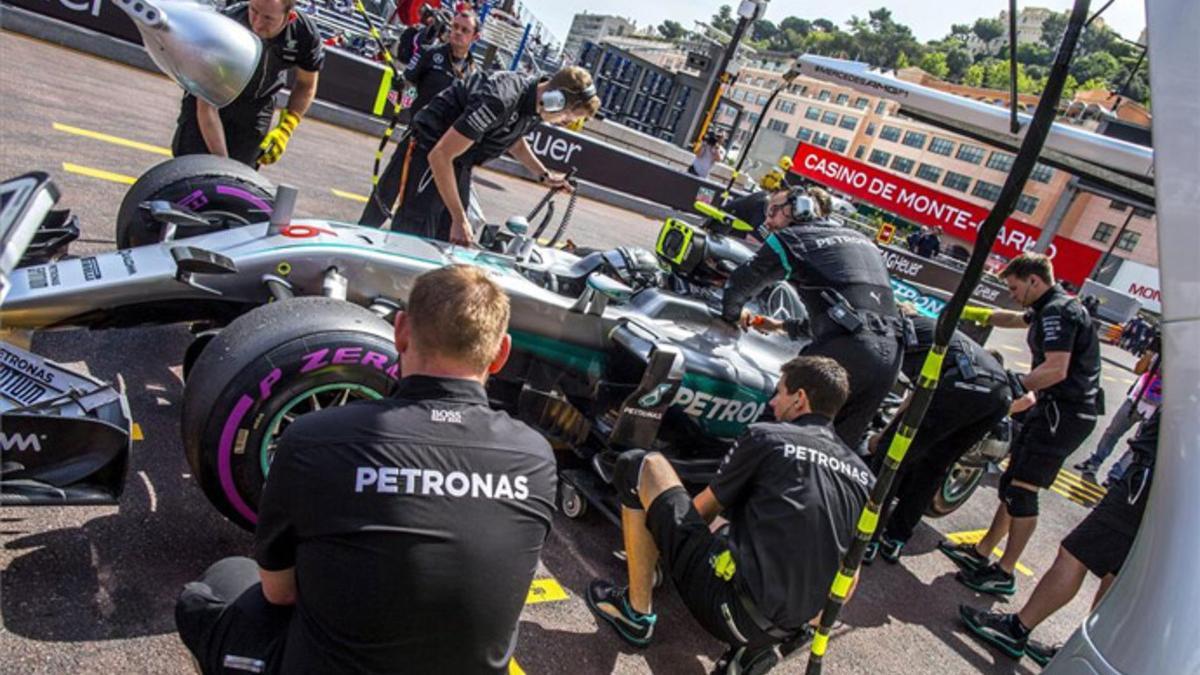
[1031,146]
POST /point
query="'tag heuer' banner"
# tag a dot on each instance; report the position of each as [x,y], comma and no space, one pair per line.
[1073,261]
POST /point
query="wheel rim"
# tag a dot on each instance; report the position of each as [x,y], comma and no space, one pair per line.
[317,398]
[959,483]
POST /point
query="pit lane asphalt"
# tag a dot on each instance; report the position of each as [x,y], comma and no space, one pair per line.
[92,589]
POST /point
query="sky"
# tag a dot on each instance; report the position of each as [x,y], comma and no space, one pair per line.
[929,19]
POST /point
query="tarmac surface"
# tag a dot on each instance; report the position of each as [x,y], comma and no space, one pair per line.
[92,589]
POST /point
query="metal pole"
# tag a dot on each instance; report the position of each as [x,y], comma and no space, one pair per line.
[1031,146]
[516,61]
[712,94]
[1014,124]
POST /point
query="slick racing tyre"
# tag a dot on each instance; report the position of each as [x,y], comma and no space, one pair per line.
[266,368]
[957,488]
[225,192]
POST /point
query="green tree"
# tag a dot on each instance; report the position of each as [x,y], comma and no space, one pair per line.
[974,75]
[763,30]
[880,41]
[1052,30]
[723,20]
[1031,53]
[935,64]
[1094,84]
[957,61]
[987,29]
[902,61]
[672,30]
[825,25]
[960,30]
[1070,86]
[800,26]
[1097,65]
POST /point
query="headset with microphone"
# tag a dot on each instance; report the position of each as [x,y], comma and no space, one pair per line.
[557,100]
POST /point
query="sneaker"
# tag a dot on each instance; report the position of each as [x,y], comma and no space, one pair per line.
[990,579]
[870,553]
[747,661]
[1086,467]
[890,549]
[963,555]
[1040,652]
[611,603]
[996,628]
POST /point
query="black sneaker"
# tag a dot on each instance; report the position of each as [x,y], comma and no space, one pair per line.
[870,553]
[890,549]
[1040,652]
[1086,467]
[996,629]
[990,579]
[963,555]
[611,603]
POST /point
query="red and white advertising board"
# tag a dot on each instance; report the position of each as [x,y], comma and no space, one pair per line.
[1073,261]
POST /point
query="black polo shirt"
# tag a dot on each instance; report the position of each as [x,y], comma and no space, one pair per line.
[414,524]
[494,109]
[433,70]
[792,493]
[297,46]
[1059,323]
[961,346]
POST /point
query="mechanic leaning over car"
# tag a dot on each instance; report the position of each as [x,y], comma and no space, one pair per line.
[973,395]
[842,280]
[240,130]
[397,534]
[1066,398]
[791,491]
[431,71]
[475,120]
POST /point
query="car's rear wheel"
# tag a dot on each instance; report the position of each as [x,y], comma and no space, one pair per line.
[226,193]
[268,367]
[957,488]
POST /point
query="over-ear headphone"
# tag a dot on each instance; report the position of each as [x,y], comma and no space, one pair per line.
[557,100]
[804,207]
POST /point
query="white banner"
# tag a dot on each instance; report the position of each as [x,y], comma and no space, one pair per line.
[1140,281]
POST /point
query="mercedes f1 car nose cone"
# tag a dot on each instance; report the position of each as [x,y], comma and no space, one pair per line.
[210,55]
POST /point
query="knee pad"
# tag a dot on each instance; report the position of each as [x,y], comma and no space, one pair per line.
[1021,502]
[626,473]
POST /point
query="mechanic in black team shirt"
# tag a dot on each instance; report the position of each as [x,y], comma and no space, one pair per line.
[1065,395]
[844,284]
[431,71]
[791,491]
[240,129]
[398,535]
[473,121]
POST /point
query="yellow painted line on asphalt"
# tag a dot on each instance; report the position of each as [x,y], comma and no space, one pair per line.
[362,199]
[1011,348]
[514,668]
[98,173]
[973,537]
[136,432]
[115,140]
[1110,378]
[1127,380]
[1080,482]
[545,590]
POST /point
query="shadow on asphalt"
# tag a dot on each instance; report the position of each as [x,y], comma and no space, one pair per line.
[117,575]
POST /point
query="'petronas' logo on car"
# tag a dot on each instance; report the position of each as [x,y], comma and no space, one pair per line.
[655,397]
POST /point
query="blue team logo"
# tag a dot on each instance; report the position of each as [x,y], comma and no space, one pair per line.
[655,397]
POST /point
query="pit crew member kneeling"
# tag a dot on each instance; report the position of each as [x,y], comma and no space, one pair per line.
[393,535]
[791,491]
[843,282]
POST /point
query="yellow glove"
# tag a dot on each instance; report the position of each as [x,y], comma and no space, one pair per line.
[980,315]
[276,140]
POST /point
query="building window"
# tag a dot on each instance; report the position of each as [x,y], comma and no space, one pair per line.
[970,153]
[762,99]
[929,172]
[1104,232]
[1001,161]
[820,139]
[824,95]
[861,103]
[879,157]
[859,151]
[902,164]
[838,145]
[881,107]
[752,119]
[1042,173]
[941,146]
[890,133]
[1142,213]
[1128,240]
[804,133]
[956,181]
[986,190]
[812,113]
[776,125]
[870,129]
[785,106]
[848,122]
[842,99]
[829,118]
[1027,204]
[914,139]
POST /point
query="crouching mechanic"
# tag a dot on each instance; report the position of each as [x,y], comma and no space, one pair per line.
[1064,391]
[240,130]
[397,534]
[791,491]
[845,286]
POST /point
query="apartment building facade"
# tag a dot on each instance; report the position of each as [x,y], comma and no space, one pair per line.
[591,28]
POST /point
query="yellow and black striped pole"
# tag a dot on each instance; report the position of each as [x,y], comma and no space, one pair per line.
[1031,147]
[384,86]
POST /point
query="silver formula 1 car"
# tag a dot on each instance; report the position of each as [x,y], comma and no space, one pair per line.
[612,349]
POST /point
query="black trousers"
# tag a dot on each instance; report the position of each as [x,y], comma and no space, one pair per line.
[872,362]
[243,135]
[959,416]
[408,177]
[227,624]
